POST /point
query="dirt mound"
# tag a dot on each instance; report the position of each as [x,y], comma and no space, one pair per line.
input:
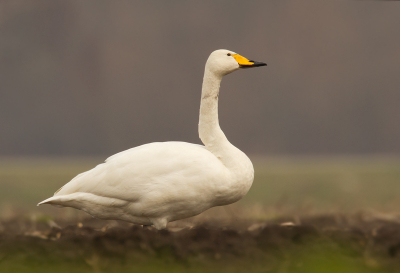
[370,242]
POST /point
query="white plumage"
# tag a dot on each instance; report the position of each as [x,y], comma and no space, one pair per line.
[160,182]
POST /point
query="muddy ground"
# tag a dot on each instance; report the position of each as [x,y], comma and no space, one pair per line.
[352,243]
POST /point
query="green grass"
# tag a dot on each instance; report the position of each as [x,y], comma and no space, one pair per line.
[309,258]
[315,184]
[282,186]
[327,184]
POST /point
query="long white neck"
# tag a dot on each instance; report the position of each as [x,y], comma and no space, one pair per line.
[209,130]
[239,167]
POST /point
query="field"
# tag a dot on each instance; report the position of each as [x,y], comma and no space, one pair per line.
[301,215]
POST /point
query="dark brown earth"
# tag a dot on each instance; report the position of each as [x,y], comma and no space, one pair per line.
[373,242]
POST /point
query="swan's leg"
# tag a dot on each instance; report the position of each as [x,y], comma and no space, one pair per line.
[160,223]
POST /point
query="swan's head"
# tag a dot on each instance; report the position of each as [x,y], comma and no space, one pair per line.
[223,61]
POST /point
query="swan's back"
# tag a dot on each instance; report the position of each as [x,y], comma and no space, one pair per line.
[168,169]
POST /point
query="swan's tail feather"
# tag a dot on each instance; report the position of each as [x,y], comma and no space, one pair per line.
[74,200]
[55,201]
[97,206]
[82,200]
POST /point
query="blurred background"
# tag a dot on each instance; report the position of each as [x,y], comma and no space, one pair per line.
[82,80]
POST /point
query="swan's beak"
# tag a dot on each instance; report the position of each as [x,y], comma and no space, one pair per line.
[245,63]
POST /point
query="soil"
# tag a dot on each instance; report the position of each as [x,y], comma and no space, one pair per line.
[371,242]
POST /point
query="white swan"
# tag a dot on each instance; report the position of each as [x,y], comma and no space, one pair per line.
[157,183]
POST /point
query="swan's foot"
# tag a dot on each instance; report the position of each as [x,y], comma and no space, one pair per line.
[160,223]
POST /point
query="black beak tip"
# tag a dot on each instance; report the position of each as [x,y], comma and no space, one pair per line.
[255,64]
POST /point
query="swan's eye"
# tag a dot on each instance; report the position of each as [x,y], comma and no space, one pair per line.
[229,54]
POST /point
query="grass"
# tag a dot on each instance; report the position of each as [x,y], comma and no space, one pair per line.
[283,187]
[328,262]
[288,184]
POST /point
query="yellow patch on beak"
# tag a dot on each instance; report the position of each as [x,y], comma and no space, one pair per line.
[245,63]
[242,60]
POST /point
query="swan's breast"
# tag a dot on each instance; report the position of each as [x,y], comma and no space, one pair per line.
[241,176]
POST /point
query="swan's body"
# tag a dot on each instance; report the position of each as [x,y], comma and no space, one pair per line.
[161,182]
